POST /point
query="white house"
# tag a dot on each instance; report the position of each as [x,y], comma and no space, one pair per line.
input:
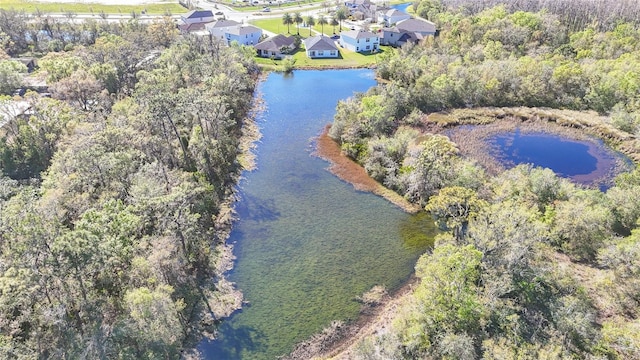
[392,16]
[218,29]
[359,41]
[245,35]
[321,47]
[197,16]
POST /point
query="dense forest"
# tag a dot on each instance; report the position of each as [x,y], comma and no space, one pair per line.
[528,265]
[113,190]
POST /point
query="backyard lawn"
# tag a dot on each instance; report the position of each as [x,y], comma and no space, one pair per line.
[165,7]
[347,59]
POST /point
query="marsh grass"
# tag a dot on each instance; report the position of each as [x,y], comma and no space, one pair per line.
[573,124]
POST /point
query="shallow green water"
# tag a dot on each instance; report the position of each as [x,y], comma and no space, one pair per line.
[307,243]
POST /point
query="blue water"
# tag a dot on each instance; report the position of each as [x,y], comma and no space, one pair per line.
[402,7]
[306,242]
[588,162]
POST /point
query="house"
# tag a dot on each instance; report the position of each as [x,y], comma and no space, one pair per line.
[393,37]
[218,29]
[359,41]
[392,16]
[273,46]
[244,35]
[417,26]
[411,30]
[361,9]
[321,47]
[191,28]
[197,16]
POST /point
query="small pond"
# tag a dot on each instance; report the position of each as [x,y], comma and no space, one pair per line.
[587,162]
[402,7]
[307,244]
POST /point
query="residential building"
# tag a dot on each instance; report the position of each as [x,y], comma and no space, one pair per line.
[359,41]
[197,16]
[273,47]
[417,26]
[218,29]
[321,47]
[244,35]
[392,16]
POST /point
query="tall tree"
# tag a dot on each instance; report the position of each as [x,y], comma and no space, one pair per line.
[322,21]
[297,18]
[287,20]
[310,20]
[342,13]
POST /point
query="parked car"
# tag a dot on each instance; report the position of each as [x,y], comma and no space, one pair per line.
[219,13]
[267,9]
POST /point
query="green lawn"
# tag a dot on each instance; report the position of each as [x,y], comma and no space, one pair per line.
[347,59]
[168,7]
[292,6]
[275,25]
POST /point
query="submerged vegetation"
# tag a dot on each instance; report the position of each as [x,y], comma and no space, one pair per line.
[529,265]
[114,192]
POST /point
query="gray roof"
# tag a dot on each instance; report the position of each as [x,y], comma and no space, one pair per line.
[196,14]
[222,23]
[243,30]
[416,25]
[319,42]
[275,43]
[395,12]
[358,34]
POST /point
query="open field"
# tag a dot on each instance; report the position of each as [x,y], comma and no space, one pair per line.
[98,6]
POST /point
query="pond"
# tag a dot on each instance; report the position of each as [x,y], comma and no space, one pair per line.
[402,7]
[587,162]
[307,244]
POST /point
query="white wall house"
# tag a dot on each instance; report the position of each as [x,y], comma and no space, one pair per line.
[321,47]
[218,29]
[359,41]
[392,16]
[245,35]
[197,16]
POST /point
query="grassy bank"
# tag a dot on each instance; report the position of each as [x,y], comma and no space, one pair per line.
[169,7]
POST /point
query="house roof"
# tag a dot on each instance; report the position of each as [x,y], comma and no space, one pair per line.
[192,27]
[416,25]
[358,34]
[243,30]
[275,43]
[395,12]
[195,14]
[319,42]
[222,23]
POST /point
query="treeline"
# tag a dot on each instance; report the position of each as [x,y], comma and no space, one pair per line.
[577,14]
[531,266]
[494,58]
[111,195]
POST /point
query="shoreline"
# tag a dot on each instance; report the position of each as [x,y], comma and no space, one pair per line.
[350,171]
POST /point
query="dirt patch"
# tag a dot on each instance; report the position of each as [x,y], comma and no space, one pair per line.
[350,171]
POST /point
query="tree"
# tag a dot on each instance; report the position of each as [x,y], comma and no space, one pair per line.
[10,76]
[297,18]
[310,22]
[334,23]
[287,20]
[452,208]
[81,87]
[322,21]
[341,14]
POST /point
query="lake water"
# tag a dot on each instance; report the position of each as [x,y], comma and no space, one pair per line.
[402,7]
[306,242]
[587,162]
